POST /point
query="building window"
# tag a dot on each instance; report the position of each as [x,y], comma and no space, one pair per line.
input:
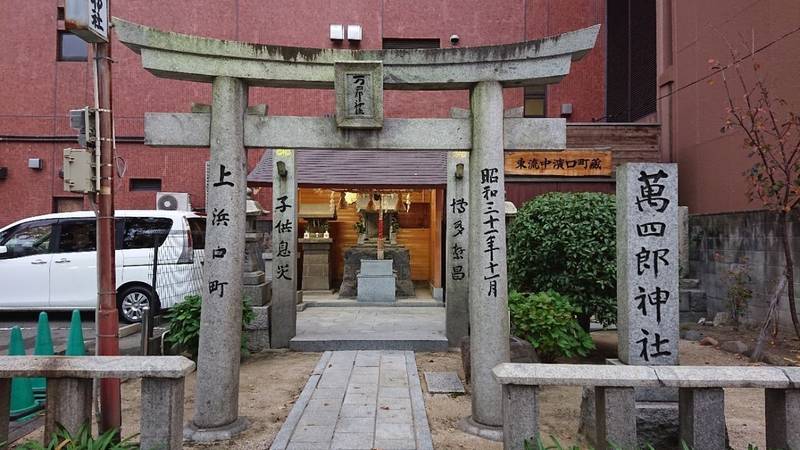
[631,65]
[71,47]
[535,101]
[145,184]
[402,43]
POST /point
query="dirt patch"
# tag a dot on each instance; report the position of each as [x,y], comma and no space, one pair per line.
[782,350]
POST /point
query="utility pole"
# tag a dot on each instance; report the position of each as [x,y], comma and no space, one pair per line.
[107,316]
[89,19]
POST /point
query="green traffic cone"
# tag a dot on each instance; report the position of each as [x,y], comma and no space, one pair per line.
[75,340]
[22,401]
[44,347]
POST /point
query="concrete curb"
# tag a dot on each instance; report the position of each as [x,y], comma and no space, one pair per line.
[281,440]
[421,428]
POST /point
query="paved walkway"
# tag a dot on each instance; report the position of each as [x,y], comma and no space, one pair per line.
[358,328]
[359,400]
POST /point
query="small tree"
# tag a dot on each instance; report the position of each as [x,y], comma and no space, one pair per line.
[772,140]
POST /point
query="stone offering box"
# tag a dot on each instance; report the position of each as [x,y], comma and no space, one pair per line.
[376,281]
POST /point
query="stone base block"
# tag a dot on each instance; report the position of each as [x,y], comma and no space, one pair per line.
[380,288]
[656,422]
[257,294]
[191,433]
[491,433]
[257,331]
[256,277]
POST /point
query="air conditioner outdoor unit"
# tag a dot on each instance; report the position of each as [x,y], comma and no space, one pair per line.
[173,201]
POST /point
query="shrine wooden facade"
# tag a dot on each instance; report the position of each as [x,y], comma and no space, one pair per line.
[420,229]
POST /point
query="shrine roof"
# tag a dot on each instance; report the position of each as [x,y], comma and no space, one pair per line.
[344,168]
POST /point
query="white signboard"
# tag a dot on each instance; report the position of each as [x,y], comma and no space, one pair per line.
[87,19]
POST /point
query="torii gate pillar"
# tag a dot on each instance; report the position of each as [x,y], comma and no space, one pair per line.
[488,282]
[217,406]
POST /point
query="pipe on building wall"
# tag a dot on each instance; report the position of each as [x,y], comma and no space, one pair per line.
[63,138]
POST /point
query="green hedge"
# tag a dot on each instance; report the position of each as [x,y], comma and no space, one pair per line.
[566,242]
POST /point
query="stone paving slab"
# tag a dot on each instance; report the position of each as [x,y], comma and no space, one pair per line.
[346,328]
[359,400]
[443,383]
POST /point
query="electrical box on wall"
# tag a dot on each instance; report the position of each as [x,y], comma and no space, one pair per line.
[79,171]
[83,120]
[36,163]
[3,173]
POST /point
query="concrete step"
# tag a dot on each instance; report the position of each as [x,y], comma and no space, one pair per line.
[328,302]
[359,342]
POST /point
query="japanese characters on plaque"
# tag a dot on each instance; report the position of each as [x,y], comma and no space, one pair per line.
[564,163]
[87,19]
[647,255]
[359,94]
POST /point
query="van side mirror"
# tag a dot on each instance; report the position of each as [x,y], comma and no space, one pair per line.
[3,250]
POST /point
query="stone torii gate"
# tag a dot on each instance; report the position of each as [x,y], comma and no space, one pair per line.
[476,197]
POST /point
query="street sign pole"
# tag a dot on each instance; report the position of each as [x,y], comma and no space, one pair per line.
[107,316]
[89,19]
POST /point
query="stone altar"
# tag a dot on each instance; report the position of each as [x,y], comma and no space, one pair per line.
[376,281]
[316,263]
[352,265]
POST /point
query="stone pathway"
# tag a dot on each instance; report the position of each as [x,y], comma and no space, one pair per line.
[359,400]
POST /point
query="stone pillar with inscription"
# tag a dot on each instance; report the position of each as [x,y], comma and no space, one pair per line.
[488,282]
[284,248]
[217,406]
[647,288]
[647,263]
[456,248]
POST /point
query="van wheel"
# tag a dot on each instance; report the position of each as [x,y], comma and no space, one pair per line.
[131,300]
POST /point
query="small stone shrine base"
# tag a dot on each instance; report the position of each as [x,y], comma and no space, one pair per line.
[352,265]
[376,281]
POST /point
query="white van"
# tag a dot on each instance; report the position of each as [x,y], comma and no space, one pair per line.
[49,262]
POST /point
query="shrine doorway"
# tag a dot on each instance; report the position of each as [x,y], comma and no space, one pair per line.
[341,194]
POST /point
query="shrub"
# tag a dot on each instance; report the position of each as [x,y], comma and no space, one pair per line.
[61,439]
[548,321]
[184,324]
[566,242]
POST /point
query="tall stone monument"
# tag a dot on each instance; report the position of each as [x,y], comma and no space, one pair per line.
[284,248]
[456,245]
[647,263]
[647,288]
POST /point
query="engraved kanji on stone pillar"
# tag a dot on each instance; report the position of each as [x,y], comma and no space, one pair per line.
[284,248]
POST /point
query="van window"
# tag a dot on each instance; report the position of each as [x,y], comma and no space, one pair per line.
[143,232]
[198,227]
[28,239]
[78,236]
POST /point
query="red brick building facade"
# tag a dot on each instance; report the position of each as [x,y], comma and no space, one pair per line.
[38,89]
